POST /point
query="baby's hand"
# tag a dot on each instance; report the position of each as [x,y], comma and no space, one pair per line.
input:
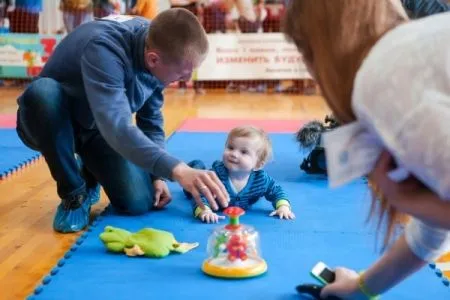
[284,212]
[208,216]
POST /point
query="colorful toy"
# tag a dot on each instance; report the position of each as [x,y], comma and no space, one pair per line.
[233,250]
[147,242]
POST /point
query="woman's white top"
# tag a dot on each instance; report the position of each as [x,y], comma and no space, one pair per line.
[401,99]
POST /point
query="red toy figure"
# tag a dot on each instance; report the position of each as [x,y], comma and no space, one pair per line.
[237,248]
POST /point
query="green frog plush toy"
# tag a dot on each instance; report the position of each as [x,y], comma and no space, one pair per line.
[147,242]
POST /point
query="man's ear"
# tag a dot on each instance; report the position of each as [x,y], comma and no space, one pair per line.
[152,58]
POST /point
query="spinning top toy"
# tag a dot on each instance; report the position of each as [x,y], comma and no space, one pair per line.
[233,250]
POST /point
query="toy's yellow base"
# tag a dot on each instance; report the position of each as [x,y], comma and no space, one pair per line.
[220,267]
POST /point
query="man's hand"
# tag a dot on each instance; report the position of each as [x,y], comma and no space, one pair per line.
[162,194]
[201,182]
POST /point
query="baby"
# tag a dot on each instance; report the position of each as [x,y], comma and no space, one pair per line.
[246,152]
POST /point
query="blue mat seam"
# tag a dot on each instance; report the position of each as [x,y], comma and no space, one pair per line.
[55,270]
[26,162]
[439,274]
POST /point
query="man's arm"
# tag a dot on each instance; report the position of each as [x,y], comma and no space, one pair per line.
[104,76]
[150,119]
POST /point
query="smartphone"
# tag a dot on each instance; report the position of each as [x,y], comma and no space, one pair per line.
[322,273]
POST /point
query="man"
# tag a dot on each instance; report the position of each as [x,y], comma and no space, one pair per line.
[83,101]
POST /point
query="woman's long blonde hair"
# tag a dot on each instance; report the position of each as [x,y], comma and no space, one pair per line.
[334,37]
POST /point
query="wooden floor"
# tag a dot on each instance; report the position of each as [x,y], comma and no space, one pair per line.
[29,247]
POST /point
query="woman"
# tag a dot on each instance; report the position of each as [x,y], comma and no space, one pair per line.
[146,8]
[389,78]
[23,15]
[76,13]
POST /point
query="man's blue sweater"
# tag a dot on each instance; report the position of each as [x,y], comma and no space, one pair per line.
[101,67]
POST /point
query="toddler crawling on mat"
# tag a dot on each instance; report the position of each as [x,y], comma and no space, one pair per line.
[246,151]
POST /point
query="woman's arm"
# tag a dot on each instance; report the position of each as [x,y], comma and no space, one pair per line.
[394,266]
[425,206]
[422,241]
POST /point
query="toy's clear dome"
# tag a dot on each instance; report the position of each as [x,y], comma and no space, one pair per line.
[234,249]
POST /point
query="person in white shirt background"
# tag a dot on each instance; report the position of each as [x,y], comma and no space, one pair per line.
[387,80]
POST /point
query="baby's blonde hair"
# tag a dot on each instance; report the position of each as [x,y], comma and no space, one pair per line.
[248,131]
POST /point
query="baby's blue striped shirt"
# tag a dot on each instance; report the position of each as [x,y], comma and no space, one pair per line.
[423,8]
[259,184]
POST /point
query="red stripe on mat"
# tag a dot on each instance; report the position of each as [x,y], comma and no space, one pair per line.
[8,121]
[225,125]
[208,125]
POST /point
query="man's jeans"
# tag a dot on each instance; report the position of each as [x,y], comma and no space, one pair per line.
[45,124]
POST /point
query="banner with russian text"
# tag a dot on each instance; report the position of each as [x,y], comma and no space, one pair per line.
[24,55]
[257,56]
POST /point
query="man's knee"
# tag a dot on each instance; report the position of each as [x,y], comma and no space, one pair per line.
[133,206]
[39,114]
[138,208]
[133,197]
[41,96]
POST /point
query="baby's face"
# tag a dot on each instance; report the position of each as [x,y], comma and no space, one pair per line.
[241,154]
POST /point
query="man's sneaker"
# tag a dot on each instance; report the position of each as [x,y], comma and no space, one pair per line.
[94,194]
[94,191]
[72,214]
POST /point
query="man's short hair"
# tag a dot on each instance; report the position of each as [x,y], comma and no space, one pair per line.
[177,34]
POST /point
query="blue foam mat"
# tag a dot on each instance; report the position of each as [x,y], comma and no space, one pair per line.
[329,227]
[14,155]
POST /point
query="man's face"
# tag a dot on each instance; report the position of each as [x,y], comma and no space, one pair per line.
[168,72]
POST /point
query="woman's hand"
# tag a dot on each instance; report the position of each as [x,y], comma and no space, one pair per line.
[398,194]
[344,286]
[409,196]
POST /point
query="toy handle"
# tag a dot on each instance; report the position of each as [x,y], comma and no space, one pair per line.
[234,212]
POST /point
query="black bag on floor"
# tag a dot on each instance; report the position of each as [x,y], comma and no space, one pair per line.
[315,162]
[310,137]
